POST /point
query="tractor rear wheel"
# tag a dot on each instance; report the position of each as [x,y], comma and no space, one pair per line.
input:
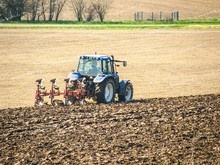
[105,92]
[128,93]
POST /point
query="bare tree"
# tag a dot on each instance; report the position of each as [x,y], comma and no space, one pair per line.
[90,13]
[12,9]
[101,7]
[79,7]
[42,8]
[32,8]
[51,9]
[59,7]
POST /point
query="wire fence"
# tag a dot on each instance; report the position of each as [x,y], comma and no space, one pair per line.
[161,16]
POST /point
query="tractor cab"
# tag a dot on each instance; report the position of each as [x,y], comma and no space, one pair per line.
[92,65]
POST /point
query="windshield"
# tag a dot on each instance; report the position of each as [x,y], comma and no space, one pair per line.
[89,66]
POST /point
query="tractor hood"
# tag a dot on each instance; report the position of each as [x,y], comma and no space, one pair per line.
[74,76]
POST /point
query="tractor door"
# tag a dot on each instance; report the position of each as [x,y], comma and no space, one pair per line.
[108,68]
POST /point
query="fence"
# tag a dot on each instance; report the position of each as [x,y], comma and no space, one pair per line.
[162,16]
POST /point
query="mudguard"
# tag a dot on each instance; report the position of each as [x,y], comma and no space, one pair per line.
[122,85]
[74,76]
[101,77]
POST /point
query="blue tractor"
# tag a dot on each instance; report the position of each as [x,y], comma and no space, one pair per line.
[95,78]
[98,79]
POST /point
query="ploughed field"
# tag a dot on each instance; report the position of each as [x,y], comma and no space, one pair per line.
[178,130]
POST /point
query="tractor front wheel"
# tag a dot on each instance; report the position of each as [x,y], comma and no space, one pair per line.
[105,92]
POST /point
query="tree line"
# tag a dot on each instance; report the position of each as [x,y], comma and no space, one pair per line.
[50,10]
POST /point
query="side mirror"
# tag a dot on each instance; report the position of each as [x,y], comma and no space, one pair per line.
[124,63]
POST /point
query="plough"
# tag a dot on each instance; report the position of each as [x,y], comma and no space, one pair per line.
[69,92]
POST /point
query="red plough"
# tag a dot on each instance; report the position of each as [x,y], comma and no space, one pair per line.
[78,94]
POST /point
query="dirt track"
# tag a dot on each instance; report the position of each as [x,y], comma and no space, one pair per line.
[161,63]
[182,130]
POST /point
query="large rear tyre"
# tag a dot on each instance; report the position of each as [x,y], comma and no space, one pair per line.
[105,92]
[128,93]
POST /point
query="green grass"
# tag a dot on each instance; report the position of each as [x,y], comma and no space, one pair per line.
[125,24]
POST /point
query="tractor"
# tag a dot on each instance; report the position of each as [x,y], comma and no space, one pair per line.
[96,78]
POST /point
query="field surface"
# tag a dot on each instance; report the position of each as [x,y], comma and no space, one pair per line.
[161,63]
[189,9]
[175,70]
[181,130]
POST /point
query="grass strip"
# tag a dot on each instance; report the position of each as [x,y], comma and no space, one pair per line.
[123,25]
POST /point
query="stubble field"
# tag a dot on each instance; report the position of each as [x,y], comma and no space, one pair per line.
[161,63]
[124,10]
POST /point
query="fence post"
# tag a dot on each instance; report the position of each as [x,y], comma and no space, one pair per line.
[142,15]
[177,15]
[174,16]
[160,16]
[139,16]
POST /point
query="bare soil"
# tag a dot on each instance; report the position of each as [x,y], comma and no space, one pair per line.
[181,130]
[161,63]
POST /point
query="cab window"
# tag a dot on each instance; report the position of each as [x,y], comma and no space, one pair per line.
[107,67]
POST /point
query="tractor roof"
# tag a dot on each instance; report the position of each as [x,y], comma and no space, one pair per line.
[100,57]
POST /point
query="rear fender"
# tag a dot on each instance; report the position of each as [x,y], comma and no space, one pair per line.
[122,86]
[74,76]
[100,78]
